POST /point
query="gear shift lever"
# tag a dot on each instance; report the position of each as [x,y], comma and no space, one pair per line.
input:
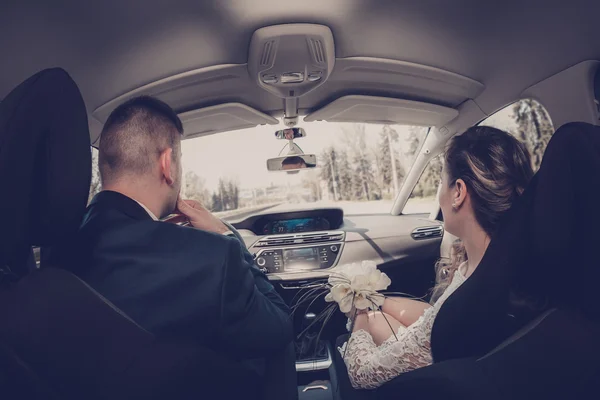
[308,347]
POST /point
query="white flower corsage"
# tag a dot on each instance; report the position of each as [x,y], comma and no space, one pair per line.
[357,286]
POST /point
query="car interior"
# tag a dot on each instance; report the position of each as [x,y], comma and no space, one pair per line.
[246,79]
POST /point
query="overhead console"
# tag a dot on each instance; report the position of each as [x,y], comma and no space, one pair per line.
[291,60]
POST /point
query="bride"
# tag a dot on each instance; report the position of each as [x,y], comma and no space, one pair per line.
[485,170]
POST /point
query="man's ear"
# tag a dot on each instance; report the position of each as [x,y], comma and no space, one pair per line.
[460,193]
[166,166]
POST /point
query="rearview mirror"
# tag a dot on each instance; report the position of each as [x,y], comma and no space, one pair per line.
[292,163]
[290,133]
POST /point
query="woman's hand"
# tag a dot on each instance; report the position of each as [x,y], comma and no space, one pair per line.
[354,312]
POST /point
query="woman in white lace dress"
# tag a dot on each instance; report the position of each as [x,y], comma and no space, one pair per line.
[485,170]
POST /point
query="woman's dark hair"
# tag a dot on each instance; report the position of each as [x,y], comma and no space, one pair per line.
[496,168]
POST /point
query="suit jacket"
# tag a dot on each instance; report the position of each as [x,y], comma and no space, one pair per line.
[179,282]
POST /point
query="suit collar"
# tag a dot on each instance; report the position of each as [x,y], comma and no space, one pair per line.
[116,200]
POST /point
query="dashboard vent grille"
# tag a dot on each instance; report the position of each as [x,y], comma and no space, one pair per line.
[301,238]
[427,232]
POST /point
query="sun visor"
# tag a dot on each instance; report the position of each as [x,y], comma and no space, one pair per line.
[222,118]
[189,90]
[383,110]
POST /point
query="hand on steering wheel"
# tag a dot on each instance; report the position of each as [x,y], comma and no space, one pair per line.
[192,213]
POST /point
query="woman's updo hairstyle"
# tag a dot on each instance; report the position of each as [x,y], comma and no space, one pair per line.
[495,167]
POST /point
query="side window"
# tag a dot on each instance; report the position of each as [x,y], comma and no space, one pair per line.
[95,185]
[526,119]
[423,198]
[529,122]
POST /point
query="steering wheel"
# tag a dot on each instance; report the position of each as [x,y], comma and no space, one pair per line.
[183,221]
[234,231]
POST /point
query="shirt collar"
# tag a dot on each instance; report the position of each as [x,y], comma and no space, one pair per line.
[150,213]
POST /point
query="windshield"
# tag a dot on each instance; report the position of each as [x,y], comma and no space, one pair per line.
[360,168]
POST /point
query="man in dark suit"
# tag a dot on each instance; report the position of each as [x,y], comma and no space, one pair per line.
[191,283]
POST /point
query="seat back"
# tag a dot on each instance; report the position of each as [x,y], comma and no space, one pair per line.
[70,342]
[543,255]
[45,165]
[67,337]
[555,356]
[59,339]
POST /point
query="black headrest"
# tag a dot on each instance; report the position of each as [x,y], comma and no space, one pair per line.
[543,255]
[45,163]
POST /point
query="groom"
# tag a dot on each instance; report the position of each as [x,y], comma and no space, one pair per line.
[189,284]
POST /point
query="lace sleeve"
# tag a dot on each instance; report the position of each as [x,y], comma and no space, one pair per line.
[370,366]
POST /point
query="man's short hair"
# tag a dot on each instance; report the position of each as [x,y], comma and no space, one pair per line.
[134,136]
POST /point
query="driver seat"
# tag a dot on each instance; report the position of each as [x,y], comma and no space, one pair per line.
[59,339]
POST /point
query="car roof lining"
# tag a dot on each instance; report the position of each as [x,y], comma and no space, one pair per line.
[411,84]
[111,47]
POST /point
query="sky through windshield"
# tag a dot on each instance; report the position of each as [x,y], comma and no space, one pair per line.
[228,170]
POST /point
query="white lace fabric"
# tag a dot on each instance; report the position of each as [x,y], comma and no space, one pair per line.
[370,366]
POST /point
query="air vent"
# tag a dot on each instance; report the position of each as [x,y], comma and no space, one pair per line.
[300,238]
[427,232]
[267,54]
[317,50]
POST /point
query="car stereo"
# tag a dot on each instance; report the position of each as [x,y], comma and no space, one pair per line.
[296,259]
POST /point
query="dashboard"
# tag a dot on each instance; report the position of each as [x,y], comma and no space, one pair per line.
[301,256]
[297,245]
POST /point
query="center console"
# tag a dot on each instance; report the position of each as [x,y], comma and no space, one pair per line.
[299,252]
[295,249]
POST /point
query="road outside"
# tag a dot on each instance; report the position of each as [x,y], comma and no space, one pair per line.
[414,206]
